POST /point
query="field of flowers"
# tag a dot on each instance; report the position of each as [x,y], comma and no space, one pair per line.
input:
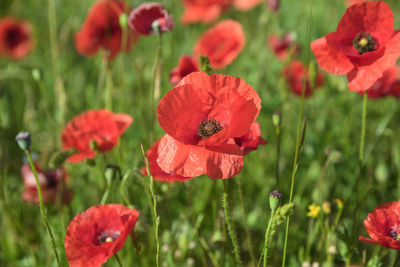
[199,133]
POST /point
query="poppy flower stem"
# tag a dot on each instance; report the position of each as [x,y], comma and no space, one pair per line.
[118,260]
[363,127]
[42,210]
[228,223]
[109,86]
[266,242]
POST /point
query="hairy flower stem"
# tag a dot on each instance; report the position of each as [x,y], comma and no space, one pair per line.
[156,218]
[246,226]
[278,152]
[363,127]
[228,223]
[109,87]
[118,260]
[42,210]
[157,71]
[266,242]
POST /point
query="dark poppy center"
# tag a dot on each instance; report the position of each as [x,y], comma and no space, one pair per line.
[209,127]
[108,236]
[364,42]
[395,234]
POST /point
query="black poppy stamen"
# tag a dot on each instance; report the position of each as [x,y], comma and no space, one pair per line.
[108,236]
[395,233]
[209,127]
[364,42]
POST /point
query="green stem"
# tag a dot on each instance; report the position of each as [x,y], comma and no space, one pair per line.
[228,224]
[42,210]
[123,187]
[267,239]
[106,193]
[396,260]
[363,127]
[278,151]
[109,86]
[118,260]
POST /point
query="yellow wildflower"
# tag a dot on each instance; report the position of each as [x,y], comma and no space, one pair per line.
[313,210]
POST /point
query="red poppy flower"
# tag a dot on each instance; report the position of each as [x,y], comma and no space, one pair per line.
[52,183]
[273,5]
[15,38]
[221,43]
[201,116]
[185,66]
[101,126]
[155,170]
[98,233]
[205,11]
[283,47]
[294,74]
[387,85]
[383,225]
[251,140]
[147,17]
[102,29]
[353,2]
[363,46]
[245,5]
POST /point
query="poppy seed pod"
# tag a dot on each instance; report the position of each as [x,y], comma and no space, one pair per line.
[274,198]
[23,140]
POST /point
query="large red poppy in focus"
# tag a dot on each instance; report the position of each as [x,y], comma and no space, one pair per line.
[363,46]
[100,126]
[387,85]
[383,225]
[202,116]
[205,11]
[15,38]
[101,29]
[98,233]
[221,44]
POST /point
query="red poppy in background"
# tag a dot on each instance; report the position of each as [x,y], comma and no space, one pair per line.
[201,116]
[383,225]
[294,74]
[52,183]
[146,18]
[15,38]
[251,140]
[205,11]
[100,126]
[221,44]
[245,5]
[155,170]
[102,29]
[273,5]
[387,85]
[186,65]
[98,233]
[363,46]
[353,2]
[284,46]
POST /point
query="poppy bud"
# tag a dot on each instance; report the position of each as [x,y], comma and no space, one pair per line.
[111,172]
[23,140]
[274,198]
[276,118]
[36,75]
[123,20]
[205,65]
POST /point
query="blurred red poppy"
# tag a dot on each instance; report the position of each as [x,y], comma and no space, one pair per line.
[155,170]
[387,85]
[245,5]
[205,11]
[201,116]
[221,44]
[102,29]
[363,46]
[352,2]
[294,74]
[101,127]
[150,16]
[273,5]
[98,233]
[52,183]
[383,225]
[186,65]
[284,46]
[15,38]
[251,140]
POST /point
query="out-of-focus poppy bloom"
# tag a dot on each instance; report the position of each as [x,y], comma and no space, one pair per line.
[99,128]
[273,5]
[251,140]
[363,46]
[98,233]
[201,116]
[102,29]
[353,2]
[155,170]
[205,11]
[15,38]
[52,183]
[387,85]
[148,18]
[283,47]
[294,74]
[245,5]
[383,225]
[186,65]
[221,44]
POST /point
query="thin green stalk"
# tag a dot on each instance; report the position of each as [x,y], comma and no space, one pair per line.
[118,260]
[228,224]
[363,127]
[42,210]
[246,226]
[266,242]
[156,218]
[278,151]
[109,86]
[123,187]
[106,193]
[101,75]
